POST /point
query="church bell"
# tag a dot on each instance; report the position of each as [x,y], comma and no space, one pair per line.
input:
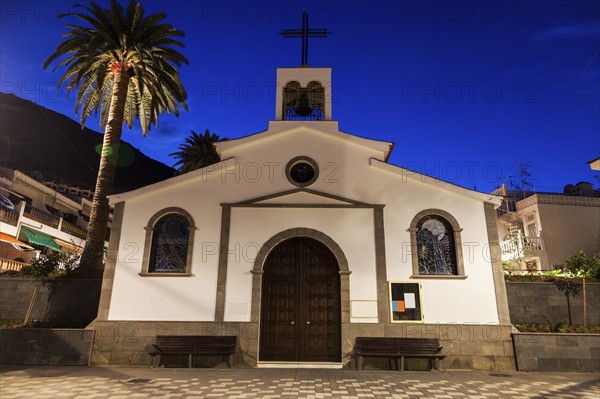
[304,108]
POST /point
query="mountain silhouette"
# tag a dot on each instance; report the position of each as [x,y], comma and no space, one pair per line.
[50,146]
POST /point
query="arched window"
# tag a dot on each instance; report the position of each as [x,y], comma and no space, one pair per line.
[436,245]
[169,245]
[169,237]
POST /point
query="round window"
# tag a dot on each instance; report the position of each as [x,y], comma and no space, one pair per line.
[302,171]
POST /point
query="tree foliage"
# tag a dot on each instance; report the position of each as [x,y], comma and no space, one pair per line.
[579,265]
[55,264]
[198,151]
[122,43]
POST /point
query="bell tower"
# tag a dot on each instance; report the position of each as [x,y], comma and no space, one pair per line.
[304,93]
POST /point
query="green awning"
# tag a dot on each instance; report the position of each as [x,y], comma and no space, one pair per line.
[35,237]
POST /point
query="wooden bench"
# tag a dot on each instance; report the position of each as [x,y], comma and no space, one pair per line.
[398,348]
[195,345]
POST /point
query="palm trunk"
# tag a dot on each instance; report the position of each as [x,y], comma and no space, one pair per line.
[93,254]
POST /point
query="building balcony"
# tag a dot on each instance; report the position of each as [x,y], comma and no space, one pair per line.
[8,264]
[9,217]
[42,217]
[73,230]
[43,222]
[519,246]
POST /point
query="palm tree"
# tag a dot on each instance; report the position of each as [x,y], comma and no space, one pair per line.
[122,65]
[197,152]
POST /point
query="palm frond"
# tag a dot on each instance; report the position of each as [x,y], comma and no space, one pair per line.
[121,40]
[197,151]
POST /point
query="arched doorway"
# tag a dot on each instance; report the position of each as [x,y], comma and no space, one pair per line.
[300,303]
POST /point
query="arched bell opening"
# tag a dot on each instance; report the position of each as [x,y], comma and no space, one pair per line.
[303,103]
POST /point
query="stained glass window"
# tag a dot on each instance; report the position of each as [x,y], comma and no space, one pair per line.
[302,172]
[170,240]
[435,246]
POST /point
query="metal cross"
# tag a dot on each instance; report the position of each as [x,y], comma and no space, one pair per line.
[305,33]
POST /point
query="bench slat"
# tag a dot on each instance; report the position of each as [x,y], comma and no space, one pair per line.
[195,345]
[394,348]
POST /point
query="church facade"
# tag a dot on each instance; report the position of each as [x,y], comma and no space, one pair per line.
[302,238]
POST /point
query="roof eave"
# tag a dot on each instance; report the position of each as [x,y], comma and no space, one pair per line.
[415,176]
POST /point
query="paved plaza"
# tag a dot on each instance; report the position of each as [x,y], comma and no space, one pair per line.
[137,382]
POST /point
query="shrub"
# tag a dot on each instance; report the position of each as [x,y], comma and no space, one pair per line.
[580,265]
[51,266]
[555,328]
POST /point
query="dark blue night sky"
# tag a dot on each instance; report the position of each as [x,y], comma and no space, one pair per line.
[466,89]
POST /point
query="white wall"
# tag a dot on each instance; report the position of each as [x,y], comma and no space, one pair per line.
[165,298]
[259,170]
[444,301]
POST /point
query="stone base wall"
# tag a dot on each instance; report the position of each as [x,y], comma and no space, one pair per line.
[557,352]
[466,346]
[128,342]
[479,347]
[48,346]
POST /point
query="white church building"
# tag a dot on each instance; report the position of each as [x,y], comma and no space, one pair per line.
[302,238]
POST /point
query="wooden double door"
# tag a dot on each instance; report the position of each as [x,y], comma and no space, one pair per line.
[300,303]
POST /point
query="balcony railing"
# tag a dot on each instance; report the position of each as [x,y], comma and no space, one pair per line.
[9,217]
[519,246]
[41,216]
[508,248]
[73,230]
[48,219]
[8,264]
[533,243]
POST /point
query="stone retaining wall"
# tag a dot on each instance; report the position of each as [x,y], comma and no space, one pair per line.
[529,302]
[60,300]
[557,352]
[36,346]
